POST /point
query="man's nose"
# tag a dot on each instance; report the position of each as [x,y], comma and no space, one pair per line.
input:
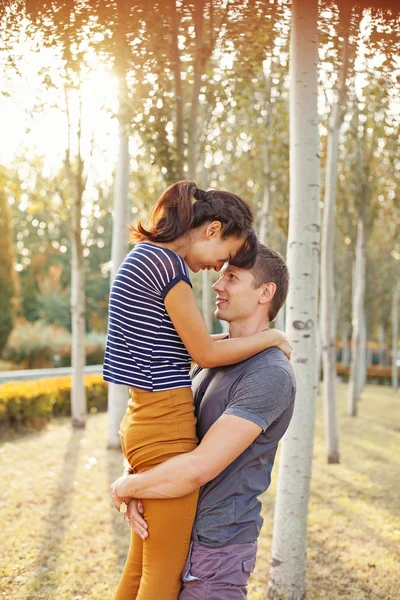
[217,286]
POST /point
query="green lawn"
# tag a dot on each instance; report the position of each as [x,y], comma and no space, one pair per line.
[61,539]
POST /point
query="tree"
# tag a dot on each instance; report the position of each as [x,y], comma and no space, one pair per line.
[288,566]
[328,321]
[8,280]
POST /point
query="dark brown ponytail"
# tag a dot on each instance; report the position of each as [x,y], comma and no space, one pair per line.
[171,217]
[184,206]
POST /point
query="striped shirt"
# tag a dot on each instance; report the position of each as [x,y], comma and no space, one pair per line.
[143,348]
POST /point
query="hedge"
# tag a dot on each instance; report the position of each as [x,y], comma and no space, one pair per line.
[33,403]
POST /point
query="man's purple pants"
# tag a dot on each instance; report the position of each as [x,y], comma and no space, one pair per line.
[218,573]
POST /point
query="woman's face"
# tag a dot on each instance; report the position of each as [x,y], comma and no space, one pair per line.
[208,250]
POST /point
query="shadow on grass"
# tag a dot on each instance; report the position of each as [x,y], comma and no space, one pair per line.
[356,520]
[56,522]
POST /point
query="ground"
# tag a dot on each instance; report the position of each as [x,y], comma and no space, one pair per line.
[61,538]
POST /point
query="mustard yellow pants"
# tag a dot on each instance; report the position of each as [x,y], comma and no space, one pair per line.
[156,427]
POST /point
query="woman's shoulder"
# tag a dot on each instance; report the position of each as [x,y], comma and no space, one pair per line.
[160,260]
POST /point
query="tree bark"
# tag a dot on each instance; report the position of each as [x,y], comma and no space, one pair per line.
[328,305]
[395,327]
[206,299]
[382,345]
[345,347]
[78,356]
[288,568]
[357,310]
[118,394]
[176,62]
[263,231]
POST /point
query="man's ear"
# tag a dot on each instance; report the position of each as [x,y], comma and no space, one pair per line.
[268,292]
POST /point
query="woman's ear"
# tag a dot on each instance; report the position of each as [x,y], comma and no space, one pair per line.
[213,228]
[268,292]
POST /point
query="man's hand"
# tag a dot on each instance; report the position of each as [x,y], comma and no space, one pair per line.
[134,515]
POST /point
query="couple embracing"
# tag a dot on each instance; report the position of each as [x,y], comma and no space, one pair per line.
[199,448]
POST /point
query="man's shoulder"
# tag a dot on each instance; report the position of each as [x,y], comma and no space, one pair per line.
[267,363]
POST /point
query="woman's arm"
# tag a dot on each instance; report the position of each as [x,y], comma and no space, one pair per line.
[207,353]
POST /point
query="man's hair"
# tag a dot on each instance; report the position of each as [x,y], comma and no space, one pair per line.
[270,266]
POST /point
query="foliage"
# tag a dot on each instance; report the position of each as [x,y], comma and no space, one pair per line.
[35,345]
[33,403]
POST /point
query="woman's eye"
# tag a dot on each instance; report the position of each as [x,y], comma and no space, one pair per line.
[231,276]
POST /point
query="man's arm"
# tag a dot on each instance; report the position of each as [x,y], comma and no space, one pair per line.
[228,437]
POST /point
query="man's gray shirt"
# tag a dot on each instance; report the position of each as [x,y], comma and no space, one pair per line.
[261,389]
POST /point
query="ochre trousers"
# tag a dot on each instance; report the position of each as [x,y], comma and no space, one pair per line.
[156,427]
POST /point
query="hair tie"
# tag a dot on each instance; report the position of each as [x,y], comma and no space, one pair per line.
[200,195]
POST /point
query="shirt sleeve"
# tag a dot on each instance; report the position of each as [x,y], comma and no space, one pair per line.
[165,270]
[262,395]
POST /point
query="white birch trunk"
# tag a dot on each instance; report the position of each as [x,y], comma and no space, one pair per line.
[206,299]
[395,328]
[357,311]
[370,355]
[279,322]
[288,567]
[362,373]
[382,345]
[328,301]
[345,347]
[78,391]
[118,394]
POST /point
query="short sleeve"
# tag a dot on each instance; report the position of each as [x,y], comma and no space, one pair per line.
[262,395]
[165,269]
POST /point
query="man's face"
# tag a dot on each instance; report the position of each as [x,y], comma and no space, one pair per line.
[236,297]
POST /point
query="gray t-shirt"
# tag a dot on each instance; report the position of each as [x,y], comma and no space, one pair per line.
[261,389]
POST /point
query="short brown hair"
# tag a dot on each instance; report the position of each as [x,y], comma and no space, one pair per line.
[270,266]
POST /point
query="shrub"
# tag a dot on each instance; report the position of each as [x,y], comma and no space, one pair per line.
[33,403]
[34,345]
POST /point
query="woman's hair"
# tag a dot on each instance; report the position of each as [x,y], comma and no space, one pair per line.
[184,206]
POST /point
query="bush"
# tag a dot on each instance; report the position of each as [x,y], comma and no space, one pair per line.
[33,403]
[34,346]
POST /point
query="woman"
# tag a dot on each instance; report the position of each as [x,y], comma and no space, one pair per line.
[155,329]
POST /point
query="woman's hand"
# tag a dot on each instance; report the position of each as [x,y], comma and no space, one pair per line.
[284,342]
[134,515]
[117,500]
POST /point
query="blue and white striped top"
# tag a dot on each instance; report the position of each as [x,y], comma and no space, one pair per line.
[143,348]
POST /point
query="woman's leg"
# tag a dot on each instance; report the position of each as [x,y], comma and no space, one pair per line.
[165,550]
[158,426]
[131,576]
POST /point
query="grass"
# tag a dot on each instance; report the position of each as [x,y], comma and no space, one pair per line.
[61,538]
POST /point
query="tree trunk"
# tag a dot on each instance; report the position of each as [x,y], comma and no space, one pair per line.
[328,304]
[263,231]
[78,356]
[362,373]
[395,327]
[206,299]
[370,355]
[176,62]
[358,303]
[345,347]
[382,345]
[288,568]
[118,394]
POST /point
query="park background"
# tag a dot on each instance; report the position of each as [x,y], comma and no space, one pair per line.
[102,106]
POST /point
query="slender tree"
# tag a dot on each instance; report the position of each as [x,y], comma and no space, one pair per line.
[328,321]
[288,566]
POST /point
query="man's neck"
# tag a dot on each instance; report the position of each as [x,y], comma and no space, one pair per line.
[247,327]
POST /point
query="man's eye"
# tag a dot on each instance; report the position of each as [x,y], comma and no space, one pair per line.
[231,276]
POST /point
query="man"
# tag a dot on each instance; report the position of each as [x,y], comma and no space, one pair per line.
[243,410]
